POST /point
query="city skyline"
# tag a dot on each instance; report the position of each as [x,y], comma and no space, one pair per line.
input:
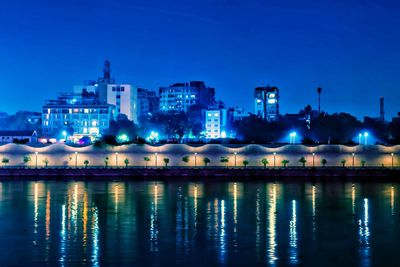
[61,44]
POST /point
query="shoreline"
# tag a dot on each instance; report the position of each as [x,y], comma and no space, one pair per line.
[205,174]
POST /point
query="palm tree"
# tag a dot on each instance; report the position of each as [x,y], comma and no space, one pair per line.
[106,159]
[166,161]
[86,163]
[303,161]
[26,159]
[285,162]
[225,160]
[126,161]
[206,161]
[363,162]
[46,162]
[5,161]
[185,159]
[343,162]
[264,161]
[324,162]
[245,163]
[146,159]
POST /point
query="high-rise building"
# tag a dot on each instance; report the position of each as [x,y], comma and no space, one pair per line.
[266,102]
[148,103]
[76,114]
[215,123]
[124,98]
[180,96]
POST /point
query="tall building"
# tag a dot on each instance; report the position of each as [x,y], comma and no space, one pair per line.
[77,115]
[266,102]
[215,123]
[148,103]
[103,82]
[124,98]
[180,96]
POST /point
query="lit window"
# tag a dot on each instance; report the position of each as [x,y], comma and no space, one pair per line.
[271,96]
[271,101]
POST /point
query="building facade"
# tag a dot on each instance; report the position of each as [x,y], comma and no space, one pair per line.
[29,136]
[124,98]
[148,103]
[215,123]
[180,96]
[266,102]
[76,115]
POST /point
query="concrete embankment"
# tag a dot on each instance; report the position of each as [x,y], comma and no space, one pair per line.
[217,174]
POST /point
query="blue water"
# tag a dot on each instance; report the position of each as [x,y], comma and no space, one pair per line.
[196,224]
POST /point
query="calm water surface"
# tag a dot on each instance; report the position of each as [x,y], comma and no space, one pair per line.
[193,224]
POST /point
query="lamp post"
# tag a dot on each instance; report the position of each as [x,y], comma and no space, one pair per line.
[76,159]
[195,159]
[359,138]
[392,160]
[116,159]
[235,158]
[366,138]
[353,158]
[36,153]
[155,159]
[313,159]
[274,159]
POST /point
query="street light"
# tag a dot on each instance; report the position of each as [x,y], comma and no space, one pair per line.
[116,159]
[76,159]
[155,159]
[195,159]
[235,157]
[313,159]
[359,138]
[292,136]
[64,133]
[36,153]
[366,138]
[274,159]
[353,158]
[392,160]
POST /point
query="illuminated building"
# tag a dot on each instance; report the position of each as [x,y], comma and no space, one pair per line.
[180,96]
[148,103]
[79,114]
[124,98]
[266,102]
[215,123]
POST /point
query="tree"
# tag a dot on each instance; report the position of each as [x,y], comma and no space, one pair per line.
[46,162]
[166,161]
[224,160]
[285,162]
[146,159]
[324,162]
[363,162]
[185,159]
[265,162]
[343,162]
[86,163]
[245,163]
[26,159]
[206,161]
[126,161]
[106,159]
[5,161]
[303,161]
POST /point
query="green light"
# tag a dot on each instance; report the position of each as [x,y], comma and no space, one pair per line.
[123,138]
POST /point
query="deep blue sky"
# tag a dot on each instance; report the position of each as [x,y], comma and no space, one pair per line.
[349,47]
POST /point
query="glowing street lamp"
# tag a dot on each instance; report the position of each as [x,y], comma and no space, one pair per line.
[359,138]
[366,138]
[353,158]
[155,159]
[235,157]
[292,136]
[116,159]
[313,159]
[76,159]
[274,159]
[36,153]
[64,133]
[195,159]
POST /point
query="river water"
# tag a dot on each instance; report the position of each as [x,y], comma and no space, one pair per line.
[49,223]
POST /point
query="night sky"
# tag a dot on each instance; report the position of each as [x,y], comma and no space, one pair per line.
[349,48]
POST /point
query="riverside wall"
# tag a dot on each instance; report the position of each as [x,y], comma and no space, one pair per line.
[65,156]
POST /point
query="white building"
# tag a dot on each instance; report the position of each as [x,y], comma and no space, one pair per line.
[215,123]
[124,98]
[266,102]
[29,136]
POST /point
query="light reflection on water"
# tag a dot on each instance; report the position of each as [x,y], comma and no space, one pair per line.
[159,223]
